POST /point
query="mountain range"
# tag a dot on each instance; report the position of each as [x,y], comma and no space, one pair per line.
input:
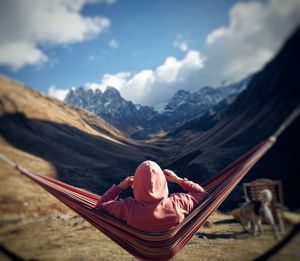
[82,149]
[141,121]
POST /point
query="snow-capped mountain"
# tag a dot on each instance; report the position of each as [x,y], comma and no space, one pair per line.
[185,105]
[137,120]
[112,107]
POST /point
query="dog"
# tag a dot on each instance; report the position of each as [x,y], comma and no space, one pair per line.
[251,214]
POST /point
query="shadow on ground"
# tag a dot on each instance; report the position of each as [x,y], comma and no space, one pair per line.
[80,159]
[226,221]
[237,235]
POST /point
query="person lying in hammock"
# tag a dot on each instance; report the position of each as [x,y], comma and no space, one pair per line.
[152,209]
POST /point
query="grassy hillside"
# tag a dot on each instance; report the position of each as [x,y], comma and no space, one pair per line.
[81,149]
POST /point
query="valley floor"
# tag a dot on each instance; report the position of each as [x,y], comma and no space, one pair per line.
[69,237]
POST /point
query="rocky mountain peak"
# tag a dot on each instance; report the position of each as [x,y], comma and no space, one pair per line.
[111,92]
[130,117]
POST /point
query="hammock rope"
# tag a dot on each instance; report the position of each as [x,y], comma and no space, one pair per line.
[155,245]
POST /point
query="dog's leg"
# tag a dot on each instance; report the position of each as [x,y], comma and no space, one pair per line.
[253,229]
[270,219]
[245,225]
[248,226]
[261,230]
[244,218]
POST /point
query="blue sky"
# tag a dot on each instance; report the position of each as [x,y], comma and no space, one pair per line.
[148,49]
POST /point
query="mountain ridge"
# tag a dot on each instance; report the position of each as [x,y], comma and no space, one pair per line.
[140,121]
[208,144]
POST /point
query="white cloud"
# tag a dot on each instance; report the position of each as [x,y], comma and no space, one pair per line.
[27,25]
[116,80]
[183,46]
[180,43]
[19,53]
[113,44]
[255,33]
[57,93]
[150,87]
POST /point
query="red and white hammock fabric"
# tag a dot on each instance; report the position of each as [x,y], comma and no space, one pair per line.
[145,245]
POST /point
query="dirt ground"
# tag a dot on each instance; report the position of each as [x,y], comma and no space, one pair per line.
[69,237]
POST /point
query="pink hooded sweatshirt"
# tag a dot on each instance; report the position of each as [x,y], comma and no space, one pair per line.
[152,209]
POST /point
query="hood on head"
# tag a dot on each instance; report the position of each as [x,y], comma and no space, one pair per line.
[149,183]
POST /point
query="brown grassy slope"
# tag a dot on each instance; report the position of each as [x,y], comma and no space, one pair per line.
[82,149]
[54,139]
[19,195]
[16,97]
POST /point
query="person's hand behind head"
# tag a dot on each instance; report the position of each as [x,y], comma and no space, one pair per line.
[126,183]
[171,176]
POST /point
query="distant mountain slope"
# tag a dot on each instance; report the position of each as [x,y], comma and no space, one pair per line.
[185,105]
[141,121]
[84,150]
[211,141]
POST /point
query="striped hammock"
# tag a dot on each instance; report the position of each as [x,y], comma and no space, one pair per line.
[145,245]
